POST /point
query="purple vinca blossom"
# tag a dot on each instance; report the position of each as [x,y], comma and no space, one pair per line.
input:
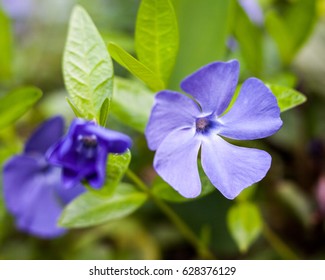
[83,152]
[180,126]
[33,191]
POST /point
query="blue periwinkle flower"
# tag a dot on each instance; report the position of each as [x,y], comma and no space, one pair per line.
[180,126]
[83,152]
[33,191]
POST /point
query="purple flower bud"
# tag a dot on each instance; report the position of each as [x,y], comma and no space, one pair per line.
[83,152]
[33,190]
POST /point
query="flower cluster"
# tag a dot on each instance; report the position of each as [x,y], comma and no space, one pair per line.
[47,175]
[180,126]
[33,191]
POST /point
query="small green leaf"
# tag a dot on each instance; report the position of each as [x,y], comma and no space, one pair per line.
[293,27]
[280,35]
[16,103]
[117,165]
[156,36]
[132,103]
[287,98]
[138,69]
[74,109]
[297,201]
[104,112]
[5,47]
[244,223]
[87,66]
[90,209]
[249,37]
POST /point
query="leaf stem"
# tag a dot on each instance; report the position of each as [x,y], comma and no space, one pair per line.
[190,236]
[279,245]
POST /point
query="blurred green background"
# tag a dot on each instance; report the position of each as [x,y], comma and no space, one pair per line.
[287,48]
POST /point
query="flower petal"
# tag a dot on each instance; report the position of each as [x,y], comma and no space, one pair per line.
[114,141]
[97,179]
[42,218]
[254,115]
[19,175]
[176,162]
[172,110]
[213,85]
[59,155]
[71,178]
[45,136]
[68,194]
[30,196]
[230,168]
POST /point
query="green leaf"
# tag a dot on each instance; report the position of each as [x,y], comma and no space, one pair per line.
[204,27]
[117,165]
[249,37]
[104,110]
[291,30]
[132,103]
[87,66]
[16,103]
[74,109]
[90,209]
[297,201]
[156,36]
[287,98]
[151,79]
[5,47]
[244,223]
[279,33]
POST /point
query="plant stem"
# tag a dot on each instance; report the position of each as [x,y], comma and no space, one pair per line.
[190,236]
[279,245]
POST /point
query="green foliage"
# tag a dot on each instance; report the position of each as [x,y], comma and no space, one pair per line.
[292,28]
[156,36]
[150,78]
[5,47]
[90,209]
[87,67]
[132,103]
[104,110]
[16,103]
[74,109]
[204,27]
[250,38]
[287,98]
[244,223]
[117,165]
[296,200]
